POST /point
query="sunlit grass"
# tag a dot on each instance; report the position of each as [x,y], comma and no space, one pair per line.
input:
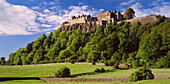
[45,70]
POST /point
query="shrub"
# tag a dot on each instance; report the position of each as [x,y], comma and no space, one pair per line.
[63,72]
[102,70]
[97,70]
[116,65]
[141,74]
[72,61]
[93,63]
[106,63]
[111,63]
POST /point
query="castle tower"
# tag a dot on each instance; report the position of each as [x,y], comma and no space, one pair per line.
[71,19]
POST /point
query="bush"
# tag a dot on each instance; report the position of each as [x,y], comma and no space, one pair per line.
[106,63]
[111,63]
[63,72]
[97,70]
[72,61]
[93,63]
[102,70]
[116,65]
[141,74]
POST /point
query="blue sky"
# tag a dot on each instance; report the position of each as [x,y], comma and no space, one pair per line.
[22,21]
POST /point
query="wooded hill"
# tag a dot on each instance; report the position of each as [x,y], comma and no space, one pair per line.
[136,44]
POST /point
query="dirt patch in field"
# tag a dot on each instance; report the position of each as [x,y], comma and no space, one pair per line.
[83,79]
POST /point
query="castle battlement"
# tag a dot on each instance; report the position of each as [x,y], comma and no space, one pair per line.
[82,19]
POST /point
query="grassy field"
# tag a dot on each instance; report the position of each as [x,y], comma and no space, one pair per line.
[45,70]
[48,70]
[160,81]
[127,73]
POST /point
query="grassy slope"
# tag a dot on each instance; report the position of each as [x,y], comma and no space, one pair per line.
[160,81]
[126,73]
[44,70]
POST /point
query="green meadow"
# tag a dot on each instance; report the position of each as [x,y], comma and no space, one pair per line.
[126,73]
[45,70]
[48,71]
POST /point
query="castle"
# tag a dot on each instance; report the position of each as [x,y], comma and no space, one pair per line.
[87,22]
[103,18]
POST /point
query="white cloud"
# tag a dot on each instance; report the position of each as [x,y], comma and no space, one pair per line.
[127,3]
[80,3]
[35,7]
[46,11]
[45,25]
[17,20]
[64,14]
[160,7]
[20,20]
[158,10]
[138,11]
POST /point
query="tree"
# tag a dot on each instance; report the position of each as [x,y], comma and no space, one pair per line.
[53,53]
[64,54]
[129,13]
[19,61]
[151,48]
[63,72]
[141,74]
[2,60]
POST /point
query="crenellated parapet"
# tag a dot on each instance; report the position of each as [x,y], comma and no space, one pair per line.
[82,19]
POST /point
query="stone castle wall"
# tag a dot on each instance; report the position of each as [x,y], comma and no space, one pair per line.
[78,20]
[142,20]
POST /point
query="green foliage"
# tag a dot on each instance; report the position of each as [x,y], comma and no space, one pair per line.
[136,44]
[116,65]
[102,70]
[135,63]
[2,60]
[141,74]
[111,62]
[44,62]
[62,72]
[164,62]
[106,63]
[64,54]
[72,61]
[93,63]
[97,70]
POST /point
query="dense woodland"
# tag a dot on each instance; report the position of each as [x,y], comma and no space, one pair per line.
[137,44]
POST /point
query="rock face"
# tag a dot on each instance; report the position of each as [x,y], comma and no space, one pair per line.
[86,27]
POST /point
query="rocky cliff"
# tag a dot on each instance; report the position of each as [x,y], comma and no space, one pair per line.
[86,27]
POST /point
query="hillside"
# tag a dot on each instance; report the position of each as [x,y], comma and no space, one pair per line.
[136,44]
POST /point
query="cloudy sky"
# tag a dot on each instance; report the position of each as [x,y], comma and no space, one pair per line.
[22,21]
